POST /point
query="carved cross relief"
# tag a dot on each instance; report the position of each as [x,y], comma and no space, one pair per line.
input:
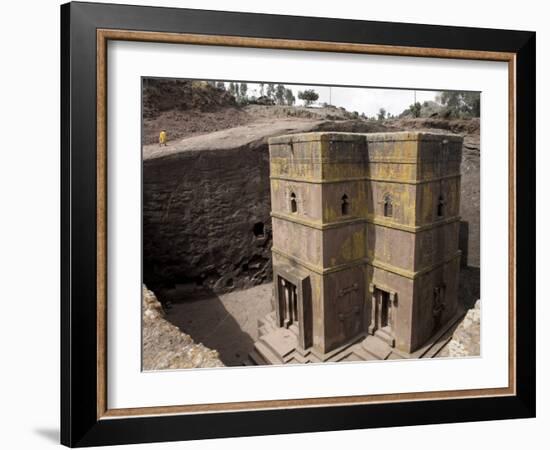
[348,307]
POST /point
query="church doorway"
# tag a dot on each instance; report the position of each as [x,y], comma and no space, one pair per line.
[288,299]
[383,310]
[293,305]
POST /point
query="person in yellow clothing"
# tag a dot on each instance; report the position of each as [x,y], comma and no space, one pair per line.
[162,138]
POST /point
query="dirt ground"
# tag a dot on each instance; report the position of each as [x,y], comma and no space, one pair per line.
[227,323]
[179,125]
[183,124]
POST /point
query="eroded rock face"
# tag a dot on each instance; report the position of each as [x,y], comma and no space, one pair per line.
[206,221]
[466,338]
[165,346]
[470,204]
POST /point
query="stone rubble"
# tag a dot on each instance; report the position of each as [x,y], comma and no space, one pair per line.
[165,346]
[466,338]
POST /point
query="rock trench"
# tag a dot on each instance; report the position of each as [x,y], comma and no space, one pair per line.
[206,205]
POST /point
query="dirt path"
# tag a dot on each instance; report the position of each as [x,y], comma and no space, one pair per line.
[253,134]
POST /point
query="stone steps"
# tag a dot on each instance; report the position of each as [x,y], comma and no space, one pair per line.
[255,359]
[267,353]
[376,347]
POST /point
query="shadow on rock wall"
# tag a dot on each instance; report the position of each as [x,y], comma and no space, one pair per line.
[206,219]
[207,320]
[468,286]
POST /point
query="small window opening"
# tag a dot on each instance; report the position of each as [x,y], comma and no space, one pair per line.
[345,205]
[440,207]
[388,206]
[293,205]
[258,230]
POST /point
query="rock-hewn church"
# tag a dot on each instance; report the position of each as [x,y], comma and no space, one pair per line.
[365,246]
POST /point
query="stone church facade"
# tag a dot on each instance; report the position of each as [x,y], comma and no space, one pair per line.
[365,246]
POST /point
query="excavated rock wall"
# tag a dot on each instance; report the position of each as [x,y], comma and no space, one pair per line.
[206,219]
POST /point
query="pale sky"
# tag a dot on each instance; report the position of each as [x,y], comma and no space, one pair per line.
[362,100]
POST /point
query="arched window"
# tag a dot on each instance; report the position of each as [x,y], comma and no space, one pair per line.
[345,205]
[440,207]
[293,205]
[388,206]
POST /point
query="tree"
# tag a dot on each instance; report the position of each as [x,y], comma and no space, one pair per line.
[220,85]
[460,104]
[308,96]
[289,97]
[280,94]
[270,92]
[262,89]
[243,92]
[381,114]
[473,102]
[240,92]
[415,109]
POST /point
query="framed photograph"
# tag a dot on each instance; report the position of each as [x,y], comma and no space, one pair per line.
[277,224]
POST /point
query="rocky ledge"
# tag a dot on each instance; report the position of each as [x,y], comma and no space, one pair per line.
[466,338]
[165,346]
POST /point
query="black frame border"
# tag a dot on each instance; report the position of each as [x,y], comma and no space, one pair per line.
[79,423]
